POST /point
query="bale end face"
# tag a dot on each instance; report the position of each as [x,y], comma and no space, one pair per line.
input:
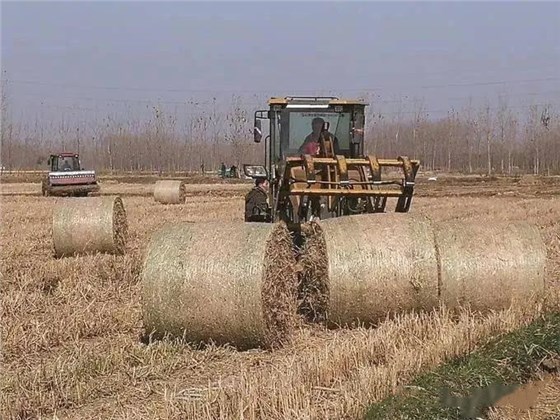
[279,288]
[313,285]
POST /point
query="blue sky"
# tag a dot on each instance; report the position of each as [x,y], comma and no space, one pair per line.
[87,54]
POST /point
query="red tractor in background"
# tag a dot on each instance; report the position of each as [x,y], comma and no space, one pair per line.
[67,177]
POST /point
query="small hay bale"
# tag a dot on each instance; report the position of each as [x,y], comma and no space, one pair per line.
[170,192]
[487,263]
[225,283]
[89,225]
[360,269]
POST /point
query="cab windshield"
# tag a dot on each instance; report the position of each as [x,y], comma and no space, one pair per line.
[297,127]
[66,163]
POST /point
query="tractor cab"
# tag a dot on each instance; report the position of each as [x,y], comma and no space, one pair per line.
[315,161]
[318,126]
[63,162]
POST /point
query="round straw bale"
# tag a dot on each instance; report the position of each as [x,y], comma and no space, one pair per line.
[487,263]
[170,192]
[89,225]
[369,266]
[231,283]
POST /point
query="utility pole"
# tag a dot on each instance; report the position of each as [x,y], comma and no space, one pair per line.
[78,138]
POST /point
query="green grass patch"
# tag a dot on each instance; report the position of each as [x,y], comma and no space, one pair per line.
[465,387]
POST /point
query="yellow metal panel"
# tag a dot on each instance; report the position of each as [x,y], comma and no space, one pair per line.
[353,193]
[309,168]
[349,101]
[277,101]
[342,168]
[374,168]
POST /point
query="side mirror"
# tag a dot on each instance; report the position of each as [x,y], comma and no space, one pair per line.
[357,130]
[257,133]
[357,135]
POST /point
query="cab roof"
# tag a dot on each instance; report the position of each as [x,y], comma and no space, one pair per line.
[310,100]
[65,154]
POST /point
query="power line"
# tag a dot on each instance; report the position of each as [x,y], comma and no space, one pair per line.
[499,82]
[115,100]
[371,89]
[445,111]
[186,102]
[422,112]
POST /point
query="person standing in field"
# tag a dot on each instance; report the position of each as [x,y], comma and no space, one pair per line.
[256,202]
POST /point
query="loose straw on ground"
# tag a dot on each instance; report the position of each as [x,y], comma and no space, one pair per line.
[89,225]
[231,283]
[170,192]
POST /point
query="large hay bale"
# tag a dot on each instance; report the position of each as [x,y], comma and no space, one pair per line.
[359,269]
[221,282]
[89,225]
[487,263]
[170,192]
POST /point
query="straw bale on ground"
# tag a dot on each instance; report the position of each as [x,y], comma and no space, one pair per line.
[89,225]
[370,266]
[363,268]
[486,263]
[170,191]
[221,282]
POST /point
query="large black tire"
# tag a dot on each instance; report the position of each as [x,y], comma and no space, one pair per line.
[79,194]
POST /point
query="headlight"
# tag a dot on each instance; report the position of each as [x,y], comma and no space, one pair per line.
[255,171]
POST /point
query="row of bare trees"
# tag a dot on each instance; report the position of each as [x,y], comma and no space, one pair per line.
[484,140]
[481,141]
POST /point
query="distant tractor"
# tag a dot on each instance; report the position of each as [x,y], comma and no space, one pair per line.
[67,177]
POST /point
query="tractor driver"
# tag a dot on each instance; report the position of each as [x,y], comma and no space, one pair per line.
[311,144]
[66,164]
[256,202]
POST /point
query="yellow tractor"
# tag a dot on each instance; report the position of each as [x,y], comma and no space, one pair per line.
[317,166]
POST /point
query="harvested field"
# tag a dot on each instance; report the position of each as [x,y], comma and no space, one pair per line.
[71,328]
[503,376]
